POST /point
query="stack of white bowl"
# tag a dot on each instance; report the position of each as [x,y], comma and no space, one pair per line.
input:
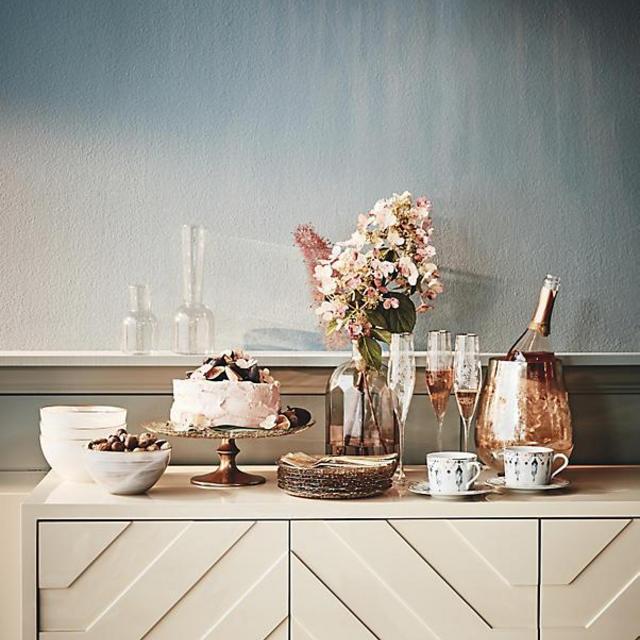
[65,432]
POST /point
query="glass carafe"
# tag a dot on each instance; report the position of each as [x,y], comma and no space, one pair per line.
[140,326]
[193,322]
[360,411]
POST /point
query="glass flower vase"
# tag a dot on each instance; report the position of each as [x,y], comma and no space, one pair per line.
[140,326]
[193,322]
[360,411]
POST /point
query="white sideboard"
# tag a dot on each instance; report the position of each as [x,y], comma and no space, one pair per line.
[254,563]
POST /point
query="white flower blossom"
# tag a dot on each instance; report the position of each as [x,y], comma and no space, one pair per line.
[394,238]
[409,270]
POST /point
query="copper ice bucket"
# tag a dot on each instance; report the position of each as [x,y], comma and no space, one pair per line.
[522,403]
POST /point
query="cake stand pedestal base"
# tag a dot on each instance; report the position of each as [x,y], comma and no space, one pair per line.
[227,474]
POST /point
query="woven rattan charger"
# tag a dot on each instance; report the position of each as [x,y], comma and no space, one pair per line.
[227,474]
[336,482]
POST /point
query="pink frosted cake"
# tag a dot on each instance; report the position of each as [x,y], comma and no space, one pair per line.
[227,390]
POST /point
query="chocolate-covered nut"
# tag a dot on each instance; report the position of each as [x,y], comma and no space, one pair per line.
[120,431]
[117,446]
[112,438]
[153,447]
[138,449]
[131,442]
[160,442]
[103,446]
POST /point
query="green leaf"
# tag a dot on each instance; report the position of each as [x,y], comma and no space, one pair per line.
[400,320]
[378,318]
[371,352]
[382,334]
[332,325]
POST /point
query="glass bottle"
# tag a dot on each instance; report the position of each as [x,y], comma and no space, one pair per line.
[534,345]
[140,326]
[360,410]
[193,322]
[401,379]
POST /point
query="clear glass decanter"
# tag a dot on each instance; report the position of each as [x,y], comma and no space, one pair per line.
[360,411]
[140,326]
[193,322]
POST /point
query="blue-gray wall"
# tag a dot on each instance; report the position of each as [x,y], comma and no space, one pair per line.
[121,120]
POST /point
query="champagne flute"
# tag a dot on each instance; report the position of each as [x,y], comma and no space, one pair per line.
[401,380]
[439,374]
[467,380]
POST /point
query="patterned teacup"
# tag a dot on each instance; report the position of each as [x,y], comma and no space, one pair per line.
[529,466]
[452,471]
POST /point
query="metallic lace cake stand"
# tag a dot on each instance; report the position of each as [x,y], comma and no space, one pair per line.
[227,474]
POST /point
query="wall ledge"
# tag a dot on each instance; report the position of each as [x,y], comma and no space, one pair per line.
[266,358]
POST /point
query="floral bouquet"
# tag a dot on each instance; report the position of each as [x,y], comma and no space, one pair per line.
[364,286]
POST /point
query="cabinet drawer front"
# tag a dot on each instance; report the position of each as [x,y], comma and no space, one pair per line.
[590,577]
[161,580]
[445,579]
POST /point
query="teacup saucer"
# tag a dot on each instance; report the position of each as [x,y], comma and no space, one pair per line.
[422,488]
[556,483]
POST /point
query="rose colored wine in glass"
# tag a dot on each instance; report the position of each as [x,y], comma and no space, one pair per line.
[439,376]
[467,380]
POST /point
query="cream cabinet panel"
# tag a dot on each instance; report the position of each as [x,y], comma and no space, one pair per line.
[439,579]
[160,580]
[318,612]
[590,578]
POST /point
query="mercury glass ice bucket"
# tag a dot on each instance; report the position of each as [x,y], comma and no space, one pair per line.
[522,403]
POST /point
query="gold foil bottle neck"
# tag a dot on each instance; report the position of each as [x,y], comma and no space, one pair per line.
[541,320]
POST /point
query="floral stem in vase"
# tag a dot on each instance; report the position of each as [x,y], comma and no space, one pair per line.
[366,285]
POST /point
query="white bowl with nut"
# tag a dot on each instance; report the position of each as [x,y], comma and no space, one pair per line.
[82,416]
[127,464]
[66,458]
[57,432]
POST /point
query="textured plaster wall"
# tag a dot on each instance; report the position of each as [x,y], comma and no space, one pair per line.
[121,120]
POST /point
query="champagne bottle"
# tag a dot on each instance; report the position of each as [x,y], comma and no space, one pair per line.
[534,344]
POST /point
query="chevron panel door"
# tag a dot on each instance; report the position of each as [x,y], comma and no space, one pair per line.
[590,579]
[163,580]
[422,579]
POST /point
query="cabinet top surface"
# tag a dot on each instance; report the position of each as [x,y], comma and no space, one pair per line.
[594,492]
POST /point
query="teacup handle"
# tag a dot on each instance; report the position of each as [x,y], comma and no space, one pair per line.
[478,468]
[563,466]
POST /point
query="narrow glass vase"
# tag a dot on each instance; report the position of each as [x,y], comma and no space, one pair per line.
[140,326]
[193,322]
[401,379]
